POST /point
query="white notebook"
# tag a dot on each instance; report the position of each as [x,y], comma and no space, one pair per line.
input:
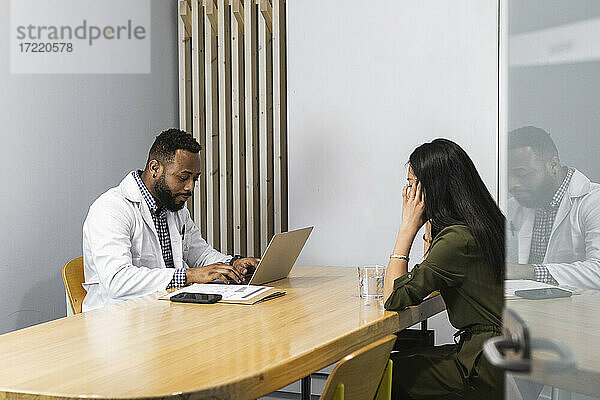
[237,294]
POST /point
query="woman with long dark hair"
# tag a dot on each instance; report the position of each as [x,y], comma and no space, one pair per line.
[464,260]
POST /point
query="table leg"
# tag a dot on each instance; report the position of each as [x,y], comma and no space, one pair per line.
[305,388]
[424,325]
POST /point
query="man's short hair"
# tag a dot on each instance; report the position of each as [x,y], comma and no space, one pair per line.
[168,142]
[538,139]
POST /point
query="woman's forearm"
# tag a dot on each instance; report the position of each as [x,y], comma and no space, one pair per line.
[395,269]
[398,267]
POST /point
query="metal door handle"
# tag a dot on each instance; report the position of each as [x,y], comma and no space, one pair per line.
[567,358]
[516,339]
[494,348]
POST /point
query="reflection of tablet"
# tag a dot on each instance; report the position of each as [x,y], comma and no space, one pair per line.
[545,293]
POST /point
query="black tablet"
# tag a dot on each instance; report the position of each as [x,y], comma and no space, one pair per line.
[543,293]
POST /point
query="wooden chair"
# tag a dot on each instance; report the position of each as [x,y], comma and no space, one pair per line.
[365,374]
[72,274]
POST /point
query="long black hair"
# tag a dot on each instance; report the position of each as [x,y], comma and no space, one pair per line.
[456,195]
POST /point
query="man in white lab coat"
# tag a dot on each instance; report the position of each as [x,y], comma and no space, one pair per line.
[553,226]
[138,237]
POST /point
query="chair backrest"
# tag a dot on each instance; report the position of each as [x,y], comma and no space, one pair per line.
[360,372]
[73,278]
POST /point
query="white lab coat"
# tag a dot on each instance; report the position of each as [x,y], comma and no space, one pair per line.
[573,254]
[122,256]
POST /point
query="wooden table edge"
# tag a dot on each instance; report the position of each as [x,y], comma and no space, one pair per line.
[263,382]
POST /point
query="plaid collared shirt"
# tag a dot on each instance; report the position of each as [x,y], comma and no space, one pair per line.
[159,216]
[542,228]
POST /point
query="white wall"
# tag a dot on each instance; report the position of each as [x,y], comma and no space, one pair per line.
[367,83]
[65,139]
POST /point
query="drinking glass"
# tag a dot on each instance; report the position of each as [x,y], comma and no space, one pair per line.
[370,281]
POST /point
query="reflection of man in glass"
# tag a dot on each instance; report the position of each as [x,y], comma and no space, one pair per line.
[553,226]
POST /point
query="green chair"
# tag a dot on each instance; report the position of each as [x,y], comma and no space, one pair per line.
[363,375]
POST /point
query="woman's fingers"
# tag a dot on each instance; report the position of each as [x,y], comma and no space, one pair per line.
[418,192]
[413,190]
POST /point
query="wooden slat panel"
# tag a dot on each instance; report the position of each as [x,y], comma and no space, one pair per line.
[252,177]
[181,39]
[265,78]
[267,13]
[239,161]
[185,11]
[237,111]
[211,13]
[185,79]
[225,146]
[237,9]
[212,134]
[185,112]
[199,121]
[280,200]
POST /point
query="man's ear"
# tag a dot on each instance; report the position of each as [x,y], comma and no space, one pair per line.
[155,168]
[553,166]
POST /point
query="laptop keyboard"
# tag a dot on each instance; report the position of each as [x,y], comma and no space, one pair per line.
[245,279]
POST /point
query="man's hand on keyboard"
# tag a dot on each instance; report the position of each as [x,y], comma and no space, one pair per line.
[208,273]
[245,266]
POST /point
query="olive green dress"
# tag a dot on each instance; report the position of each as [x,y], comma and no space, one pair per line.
[474,300]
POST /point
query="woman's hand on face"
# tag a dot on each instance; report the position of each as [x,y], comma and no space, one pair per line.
[413,207]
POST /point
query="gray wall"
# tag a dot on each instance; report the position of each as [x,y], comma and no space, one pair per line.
[66,139]
[367,84]
[532,15]
[562,98]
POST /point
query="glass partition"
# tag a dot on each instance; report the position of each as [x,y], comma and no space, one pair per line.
[551,100]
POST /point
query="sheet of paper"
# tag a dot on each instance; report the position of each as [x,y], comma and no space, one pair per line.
[511,285]
[229,292]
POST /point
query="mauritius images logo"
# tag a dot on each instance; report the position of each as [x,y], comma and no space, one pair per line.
[80,36]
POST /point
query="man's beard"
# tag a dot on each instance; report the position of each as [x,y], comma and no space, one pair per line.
[166,197]
[542,196]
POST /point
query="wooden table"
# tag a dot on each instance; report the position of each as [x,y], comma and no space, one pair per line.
[154,348]
[576,322]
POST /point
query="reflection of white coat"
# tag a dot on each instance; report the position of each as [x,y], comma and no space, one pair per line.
[573,254]
[121,251]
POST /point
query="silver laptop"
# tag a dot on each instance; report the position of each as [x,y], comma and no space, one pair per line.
[280,256]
